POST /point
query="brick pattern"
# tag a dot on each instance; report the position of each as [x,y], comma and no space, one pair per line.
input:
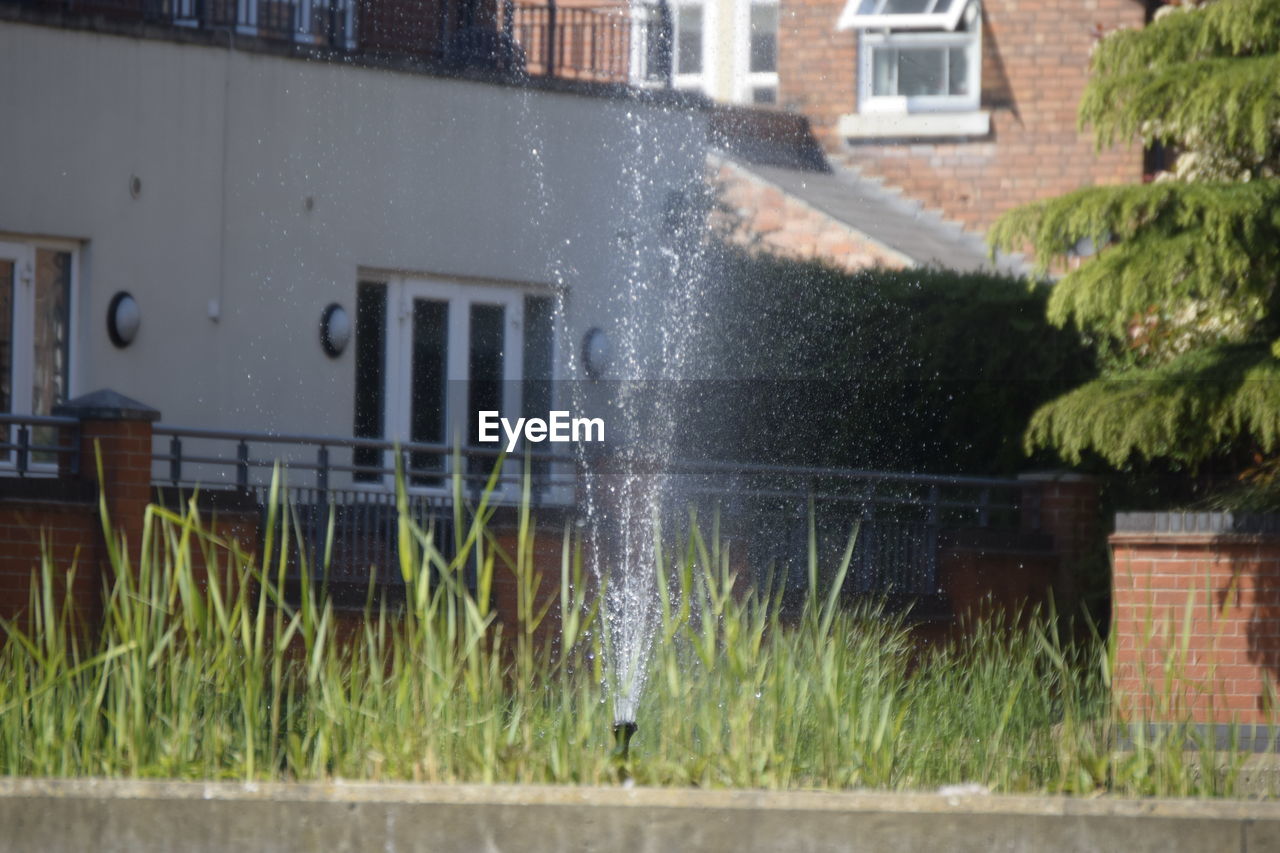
[68,534]
[1035,66]
[986,581]
[1232,653]
[757,215]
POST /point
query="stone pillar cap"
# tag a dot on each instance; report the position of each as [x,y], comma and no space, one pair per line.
[106,405]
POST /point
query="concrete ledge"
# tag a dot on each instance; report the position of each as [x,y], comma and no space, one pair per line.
[100,815]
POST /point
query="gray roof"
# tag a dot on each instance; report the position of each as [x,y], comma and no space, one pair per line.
[886,216]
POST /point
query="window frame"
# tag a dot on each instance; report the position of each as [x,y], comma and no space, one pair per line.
[851,18]
[698,80]
[750,81]
[869,42]
[22,358]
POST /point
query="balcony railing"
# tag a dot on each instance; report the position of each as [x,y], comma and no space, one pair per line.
[621,44]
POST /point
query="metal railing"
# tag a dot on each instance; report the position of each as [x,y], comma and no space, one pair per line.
[329,23]
[617,44]
[191,455]
[611,44]
[767,508]
[39,445]
[343,511]
[346,485]
[899,518]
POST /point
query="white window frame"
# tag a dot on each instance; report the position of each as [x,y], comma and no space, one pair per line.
[752,80]
[852,17]
[710,50]
[869,102]
[22,251]
[927,28]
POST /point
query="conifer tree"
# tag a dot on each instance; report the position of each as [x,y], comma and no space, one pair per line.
[1182,298]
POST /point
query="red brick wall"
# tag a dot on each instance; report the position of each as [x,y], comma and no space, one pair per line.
[68,533]
[1232,650]
[979,581]
[1035,65]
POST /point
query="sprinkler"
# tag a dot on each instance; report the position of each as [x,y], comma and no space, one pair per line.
[622,733]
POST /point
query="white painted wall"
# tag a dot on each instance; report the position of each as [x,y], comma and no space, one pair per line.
[407,172]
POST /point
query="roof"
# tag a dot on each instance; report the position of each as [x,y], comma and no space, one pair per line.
[885,216]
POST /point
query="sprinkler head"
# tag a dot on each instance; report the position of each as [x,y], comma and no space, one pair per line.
[622,733]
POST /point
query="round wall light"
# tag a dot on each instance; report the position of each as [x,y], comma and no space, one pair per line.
[124,318]
[335,330]
[596,352]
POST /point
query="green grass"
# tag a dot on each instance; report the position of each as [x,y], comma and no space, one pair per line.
[219,678]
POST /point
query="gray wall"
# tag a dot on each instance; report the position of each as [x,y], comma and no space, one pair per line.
[407,172]
[137,816]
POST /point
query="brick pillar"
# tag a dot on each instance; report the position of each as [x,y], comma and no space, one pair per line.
[1070,513]
[117,430]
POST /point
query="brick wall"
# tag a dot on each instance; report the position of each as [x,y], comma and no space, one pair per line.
[67,531]
[1035,65]
[1204,611]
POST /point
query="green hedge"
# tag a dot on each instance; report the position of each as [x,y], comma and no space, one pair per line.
[923,370]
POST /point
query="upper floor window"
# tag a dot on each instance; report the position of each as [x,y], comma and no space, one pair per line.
[916,55]
[688,50]
[762,53]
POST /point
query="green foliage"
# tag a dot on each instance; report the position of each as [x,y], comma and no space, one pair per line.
[927,370]
[1183,410]
[1182,300]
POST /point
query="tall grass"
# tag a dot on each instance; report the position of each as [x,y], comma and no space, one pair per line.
[200,668]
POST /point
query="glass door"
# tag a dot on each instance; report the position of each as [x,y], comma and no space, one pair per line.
[455,351]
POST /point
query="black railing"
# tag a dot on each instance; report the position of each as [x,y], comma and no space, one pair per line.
[766,509]
[39,445]
[615,44]
[318,22]
[900,518]
[190,456]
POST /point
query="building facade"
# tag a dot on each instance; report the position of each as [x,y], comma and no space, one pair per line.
[969,106]
[184,212]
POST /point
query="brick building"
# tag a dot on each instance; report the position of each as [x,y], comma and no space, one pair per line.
[965,108]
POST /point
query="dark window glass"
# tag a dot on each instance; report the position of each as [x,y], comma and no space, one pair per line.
[764,37]
[371,356]
[921,71]
[7,270]
[427,386]
[539,331]
[764,95]
[484,372]
[958,68]
[689,40]
[905,7]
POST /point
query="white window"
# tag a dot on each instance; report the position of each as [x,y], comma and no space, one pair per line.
[690,54]
[36,289]
[431,354]
[917,56]
[762,53]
